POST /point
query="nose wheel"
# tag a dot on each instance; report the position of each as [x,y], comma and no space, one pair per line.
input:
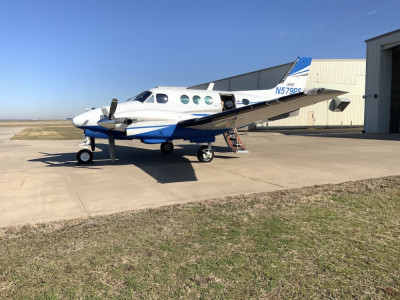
[205,153]
[84,156]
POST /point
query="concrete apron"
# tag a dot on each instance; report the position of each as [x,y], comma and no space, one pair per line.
[40,181]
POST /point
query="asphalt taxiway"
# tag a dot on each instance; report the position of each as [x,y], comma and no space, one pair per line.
[40,181]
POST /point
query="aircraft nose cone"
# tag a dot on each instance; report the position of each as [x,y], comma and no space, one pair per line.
[77,121]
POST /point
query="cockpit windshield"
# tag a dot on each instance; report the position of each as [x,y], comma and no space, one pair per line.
[141,97]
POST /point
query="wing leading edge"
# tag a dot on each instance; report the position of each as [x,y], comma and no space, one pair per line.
[247,115]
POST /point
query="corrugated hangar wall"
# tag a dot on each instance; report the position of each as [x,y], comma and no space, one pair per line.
[382,89]
[339,74]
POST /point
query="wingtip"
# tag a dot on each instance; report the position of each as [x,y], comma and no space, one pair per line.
[336,92]
[318,91]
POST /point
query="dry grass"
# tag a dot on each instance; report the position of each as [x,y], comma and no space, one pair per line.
[331,241]
[45,130]
[25,123]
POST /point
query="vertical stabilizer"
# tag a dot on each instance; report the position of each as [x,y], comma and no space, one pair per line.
[293,82]
[296,78]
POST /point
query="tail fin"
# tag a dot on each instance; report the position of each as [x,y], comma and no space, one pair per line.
[296,78]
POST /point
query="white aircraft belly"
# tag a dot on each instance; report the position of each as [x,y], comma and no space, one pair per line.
[145,127]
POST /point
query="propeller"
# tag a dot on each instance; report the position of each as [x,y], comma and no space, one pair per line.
[111,140]
[109,122]
[111,144]
[113,108]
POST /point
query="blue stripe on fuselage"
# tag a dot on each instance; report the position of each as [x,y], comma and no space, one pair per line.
[200,115]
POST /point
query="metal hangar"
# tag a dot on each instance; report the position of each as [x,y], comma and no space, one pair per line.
[382,86]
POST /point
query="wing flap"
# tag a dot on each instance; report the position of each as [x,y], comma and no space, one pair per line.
[246,115]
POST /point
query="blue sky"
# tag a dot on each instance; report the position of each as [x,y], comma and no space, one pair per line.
[59,57]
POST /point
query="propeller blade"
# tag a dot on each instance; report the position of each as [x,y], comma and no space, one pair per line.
[111,143]
[113,108]
[92,143]
[104,111]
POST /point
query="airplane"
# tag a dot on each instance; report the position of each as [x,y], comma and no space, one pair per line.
[163,114]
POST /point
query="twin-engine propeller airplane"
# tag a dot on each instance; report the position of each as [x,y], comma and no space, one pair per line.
[163,114]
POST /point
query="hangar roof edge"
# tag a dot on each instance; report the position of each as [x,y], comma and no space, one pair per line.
[270,68]
[382,35]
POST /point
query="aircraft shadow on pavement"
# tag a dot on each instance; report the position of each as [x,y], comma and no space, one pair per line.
[165,168]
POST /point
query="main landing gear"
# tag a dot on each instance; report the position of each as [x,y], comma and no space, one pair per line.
[167,147]
[204,154]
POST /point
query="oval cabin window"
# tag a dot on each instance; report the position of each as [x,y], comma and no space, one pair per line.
[184,99]
[208,100]
[196,99]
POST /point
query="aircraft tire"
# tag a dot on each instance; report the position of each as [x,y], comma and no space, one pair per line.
[84,157]
[205,156]
[167,147]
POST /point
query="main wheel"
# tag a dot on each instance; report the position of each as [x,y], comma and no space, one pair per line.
[84,156]
[204,154]
[167,147]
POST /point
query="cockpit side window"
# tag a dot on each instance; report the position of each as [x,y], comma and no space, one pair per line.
[142,96]
[150,100]
[162,98]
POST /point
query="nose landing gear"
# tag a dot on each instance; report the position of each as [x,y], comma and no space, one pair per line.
[85,156]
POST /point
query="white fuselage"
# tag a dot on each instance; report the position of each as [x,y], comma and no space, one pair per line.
[181,104]
[164,106]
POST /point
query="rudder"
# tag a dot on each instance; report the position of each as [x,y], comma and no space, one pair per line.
[296,78]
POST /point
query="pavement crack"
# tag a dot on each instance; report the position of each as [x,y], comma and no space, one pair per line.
[249,177]
[83,205]
[72,190]
[264,181]
[23,183]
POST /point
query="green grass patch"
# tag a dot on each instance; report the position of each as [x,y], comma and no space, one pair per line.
[331,241]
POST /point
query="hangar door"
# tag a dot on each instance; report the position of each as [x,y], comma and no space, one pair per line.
[395,92]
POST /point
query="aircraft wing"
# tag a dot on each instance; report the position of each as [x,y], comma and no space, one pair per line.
[243,116]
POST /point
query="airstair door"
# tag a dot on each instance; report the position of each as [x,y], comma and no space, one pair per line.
[227,101]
